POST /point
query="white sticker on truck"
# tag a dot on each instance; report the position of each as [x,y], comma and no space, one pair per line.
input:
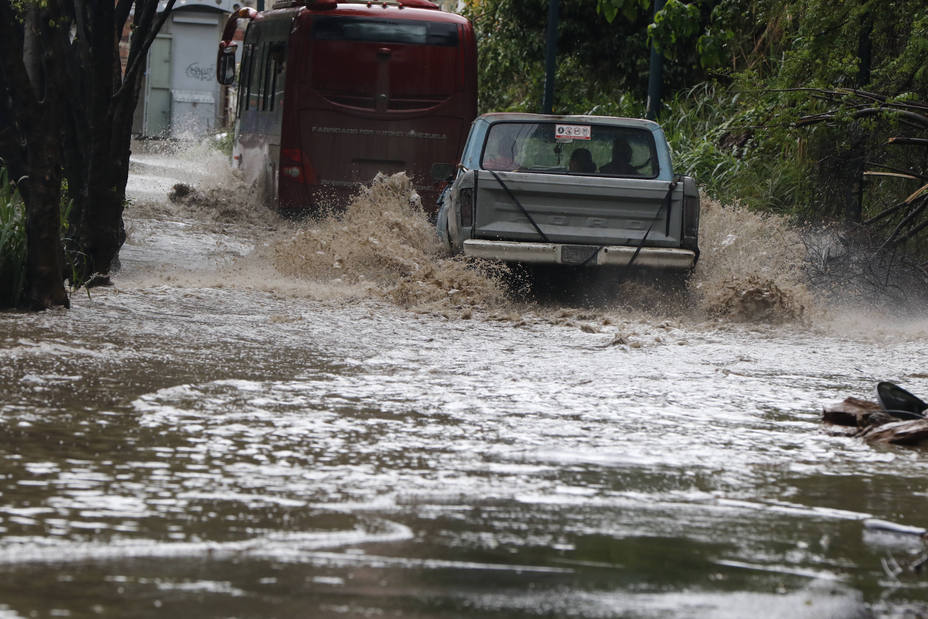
[572,132]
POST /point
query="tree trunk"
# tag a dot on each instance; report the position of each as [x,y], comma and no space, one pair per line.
[865,50]
[97,182]
[31,146]
[44,260]
[98,229]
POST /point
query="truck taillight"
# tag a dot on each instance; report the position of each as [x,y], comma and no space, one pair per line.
[467,207]
[690,216]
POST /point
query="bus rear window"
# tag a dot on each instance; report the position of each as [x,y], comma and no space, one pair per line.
[385,31]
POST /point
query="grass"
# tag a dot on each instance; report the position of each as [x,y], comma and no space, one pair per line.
[222,141]
[12,242]
[715,137]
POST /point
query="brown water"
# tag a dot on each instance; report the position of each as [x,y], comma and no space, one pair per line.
[331,419]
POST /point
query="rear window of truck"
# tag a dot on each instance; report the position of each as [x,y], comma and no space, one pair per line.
[570,148]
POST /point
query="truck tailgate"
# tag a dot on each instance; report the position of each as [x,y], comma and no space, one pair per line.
[577,209]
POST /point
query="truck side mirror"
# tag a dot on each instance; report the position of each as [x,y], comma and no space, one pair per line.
[225,63]
[443,171]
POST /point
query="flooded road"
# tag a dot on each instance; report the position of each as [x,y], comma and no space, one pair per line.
[267,420]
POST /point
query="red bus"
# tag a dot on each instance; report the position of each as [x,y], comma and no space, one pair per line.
[332,92]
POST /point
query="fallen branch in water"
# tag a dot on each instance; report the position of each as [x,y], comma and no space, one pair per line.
[874,424]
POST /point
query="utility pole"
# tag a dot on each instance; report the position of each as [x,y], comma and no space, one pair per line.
[655,74]
[547,105]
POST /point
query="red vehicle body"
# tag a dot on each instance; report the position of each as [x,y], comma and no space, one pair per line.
[330,93]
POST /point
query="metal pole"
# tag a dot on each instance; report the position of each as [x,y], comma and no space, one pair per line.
[547,105]
[655,74]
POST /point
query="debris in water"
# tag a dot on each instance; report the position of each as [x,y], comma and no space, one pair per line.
[222,204]
[618,340]
[876,423]
[180,191]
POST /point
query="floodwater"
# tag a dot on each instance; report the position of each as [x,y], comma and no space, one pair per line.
[263,418]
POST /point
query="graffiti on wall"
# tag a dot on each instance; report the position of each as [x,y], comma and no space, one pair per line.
[197,72]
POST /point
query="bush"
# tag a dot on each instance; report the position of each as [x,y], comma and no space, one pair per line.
[720,136]
[12,242]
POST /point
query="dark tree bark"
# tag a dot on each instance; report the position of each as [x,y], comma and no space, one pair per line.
[44,260]
[31,145]
[865,50]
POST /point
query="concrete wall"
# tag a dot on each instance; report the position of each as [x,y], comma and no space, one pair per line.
[180,96]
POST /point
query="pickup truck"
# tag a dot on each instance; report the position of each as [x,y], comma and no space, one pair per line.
[591,191]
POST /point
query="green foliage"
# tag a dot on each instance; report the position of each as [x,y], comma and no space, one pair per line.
[714,137]
[505,52]
[630,9]
[74,261]
[712,47]
[682,31]
[854,43]
[675,22]
[12,242]
[222,141]
[602,62]
[906,65]
[754,87]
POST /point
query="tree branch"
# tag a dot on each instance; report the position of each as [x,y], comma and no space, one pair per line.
[138,47]
[907,220]
[914,231]
[910,141]
[885,213]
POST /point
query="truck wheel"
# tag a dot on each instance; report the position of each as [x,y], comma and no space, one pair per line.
[675,283]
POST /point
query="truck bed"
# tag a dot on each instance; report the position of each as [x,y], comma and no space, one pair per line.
[577,209]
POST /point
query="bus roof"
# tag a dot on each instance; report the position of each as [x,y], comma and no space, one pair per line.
[364,9]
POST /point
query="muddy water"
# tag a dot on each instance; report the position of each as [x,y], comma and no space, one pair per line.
[263,419]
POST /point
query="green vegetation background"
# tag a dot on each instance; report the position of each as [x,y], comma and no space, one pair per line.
[758,94]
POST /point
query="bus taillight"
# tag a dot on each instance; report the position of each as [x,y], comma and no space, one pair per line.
[293,165]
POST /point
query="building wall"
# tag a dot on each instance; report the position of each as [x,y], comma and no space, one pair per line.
[180,97]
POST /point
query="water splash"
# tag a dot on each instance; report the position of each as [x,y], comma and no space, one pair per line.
[751,267]
[385,243]
[200,185]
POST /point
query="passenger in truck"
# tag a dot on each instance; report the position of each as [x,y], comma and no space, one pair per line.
[581,160]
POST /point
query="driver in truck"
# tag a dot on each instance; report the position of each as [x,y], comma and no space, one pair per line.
[500,152]
[621,159]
